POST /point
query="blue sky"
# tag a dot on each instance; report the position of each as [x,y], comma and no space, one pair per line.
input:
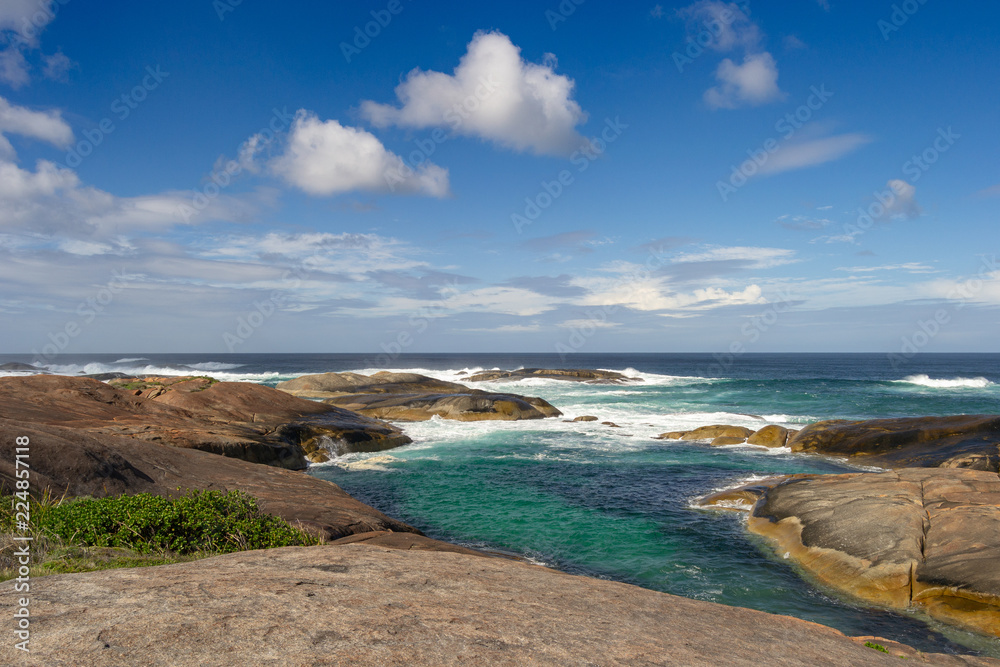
[729,177]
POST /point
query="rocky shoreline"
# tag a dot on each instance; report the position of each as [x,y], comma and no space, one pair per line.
[925,535]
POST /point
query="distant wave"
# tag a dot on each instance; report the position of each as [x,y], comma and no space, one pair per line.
[215,369]
[945,383]
[130,360]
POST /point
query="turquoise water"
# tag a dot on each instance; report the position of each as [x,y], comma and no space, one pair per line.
[613,502]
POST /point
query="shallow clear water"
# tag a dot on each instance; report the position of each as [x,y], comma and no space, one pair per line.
[613,502]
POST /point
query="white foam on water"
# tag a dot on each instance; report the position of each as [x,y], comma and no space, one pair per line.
[218,370]
[923,380]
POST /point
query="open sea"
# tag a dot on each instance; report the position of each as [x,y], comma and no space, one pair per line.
[613,502]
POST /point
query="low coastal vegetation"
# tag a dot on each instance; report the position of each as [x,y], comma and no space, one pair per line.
[82,534]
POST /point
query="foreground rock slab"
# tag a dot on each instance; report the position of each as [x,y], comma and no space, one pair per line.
[915,537]
[584,375]
[366,605]
[235,419]
[961,441]
[413,397]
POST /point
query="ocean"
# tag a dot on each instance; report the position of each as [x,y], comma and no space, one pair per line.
[612,502]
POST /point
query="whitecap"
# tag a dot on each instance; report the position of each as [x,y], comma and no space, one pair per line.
[924,380]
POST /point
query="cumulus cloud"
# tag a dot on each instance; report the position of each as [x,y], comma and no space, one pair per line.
[326,158]
[494,95]
[726,22]
[753,83]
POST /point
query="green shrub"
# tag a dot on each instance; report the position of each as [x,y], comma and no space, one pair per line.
[877,647]
[200,521]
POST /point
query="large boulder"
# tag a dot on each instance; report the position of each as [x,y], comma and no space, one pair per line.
[326,385]
[961,441]
[472,406]
[914,537]
[770,436]
[68,460]
[585,375]
[240,420]
[413,397]
[361,604]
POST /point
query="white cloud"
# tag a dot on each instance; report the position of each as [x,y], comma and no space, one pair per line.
[494,95]
[57,66]
[803,151]
[910,267]
[904,202]
[595,323]
[653,294]
[759,258]
[45,126]
[728,25]
[753,83]
[13,68]
[505,300]
[24,20]
[326,158]
[353,254]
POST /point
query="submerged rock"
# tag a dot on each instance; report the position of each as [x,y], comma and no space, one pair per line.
[587,376]
[709,433]
[915,537]
[585,418]
[362,604]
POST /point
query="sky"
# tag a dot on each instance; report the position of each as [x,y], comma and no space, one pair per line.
[574,176]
